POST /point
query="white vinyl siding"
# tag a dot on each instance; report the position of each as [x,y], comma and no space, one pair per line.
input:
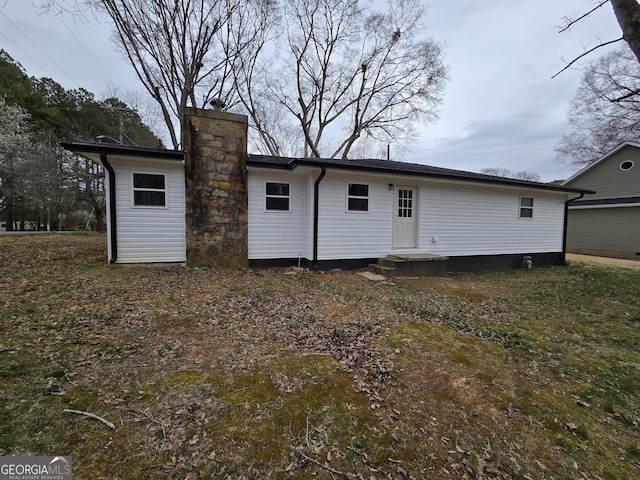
[149,234]
[277,233]
[461,220]
[346,235]
[453,218]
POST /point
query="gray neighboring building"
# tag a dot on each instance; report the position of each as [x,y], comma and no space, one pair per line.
[607,223]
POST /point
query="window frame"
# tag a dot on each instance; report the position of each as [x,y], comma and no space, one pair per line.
[350,196]
[408,203]
[528,208]
[268,195]
[135,189]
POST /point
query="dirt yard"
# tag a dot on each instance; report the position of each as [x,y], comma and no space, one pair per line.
[259,374]
[604,261]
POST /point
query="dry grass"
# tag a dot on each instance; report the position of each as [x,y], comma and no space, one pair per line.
[213,373]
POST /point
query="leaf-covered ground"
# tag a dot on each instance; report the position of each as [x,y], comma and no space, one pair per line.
[220,373]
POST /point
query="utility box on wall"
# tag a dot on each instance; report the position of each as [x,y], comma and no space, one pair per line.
[215,146]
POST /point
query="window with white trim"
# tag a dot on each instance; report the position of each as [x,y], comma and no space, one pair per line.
[277,196]
[149,190]
[526,207]
[357,197]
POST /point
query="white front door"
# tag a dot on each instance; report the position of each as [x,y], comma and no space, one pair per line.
[404,218]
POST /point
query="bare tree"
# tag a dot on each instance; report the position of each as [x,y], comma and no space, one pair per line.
[345,71]
[605,111]
[341,70]
[527,176]
[30,175]
[183,51]
[170,45]
[496,171]
[628,15]
[506,173]
[14,140]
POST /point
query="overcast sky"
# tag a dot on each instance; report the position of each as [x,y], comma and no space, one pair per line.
[501,107]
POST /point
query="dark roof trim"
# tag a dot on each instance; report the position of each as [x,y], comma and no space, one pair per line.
[401,168]
[605,201]
[123,150]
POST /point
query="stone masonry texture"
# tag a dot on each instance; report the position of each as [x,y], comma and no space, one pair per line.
[215,146]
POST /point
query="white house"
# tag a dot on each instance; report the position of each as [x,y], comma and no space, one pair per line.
[265,210]
[145,199]
[335,212]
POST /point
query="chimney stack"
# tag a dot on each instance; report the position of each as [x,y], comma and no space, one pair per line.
[215,144]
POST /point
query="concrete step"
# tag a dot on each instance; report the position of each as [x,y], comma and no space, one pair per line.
[390,261]
[412,265]
[382,269]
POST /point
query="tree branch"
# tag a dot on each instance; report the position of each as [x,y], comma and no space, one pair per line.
[584,54]
[572,22]
[327,467]
[91,415]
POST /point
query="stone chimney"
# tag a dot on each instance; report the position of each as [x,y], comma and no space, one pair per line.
[215,145]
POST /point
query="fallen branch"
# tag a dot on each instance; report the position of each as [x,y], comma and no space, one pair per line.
[66,376]
[235,391]
[152,420]
[91,415]
[327,467]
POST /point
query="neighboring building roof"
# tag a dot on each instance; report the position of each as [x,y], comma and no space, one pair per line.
[600,160]
[400,168]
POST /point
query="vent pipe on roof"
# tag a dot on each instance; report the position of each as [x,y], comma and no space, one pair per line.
[218,104]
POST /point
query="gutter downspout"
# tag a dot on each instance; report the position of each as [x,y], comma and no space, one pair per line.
[113,235]
[563,257]
[316,188]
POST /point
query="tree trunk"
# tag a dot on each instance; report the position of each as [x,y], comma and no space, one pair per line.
[628,15]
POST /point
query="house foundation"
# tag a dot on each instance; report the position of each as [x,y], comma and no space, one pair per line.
[215,146]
